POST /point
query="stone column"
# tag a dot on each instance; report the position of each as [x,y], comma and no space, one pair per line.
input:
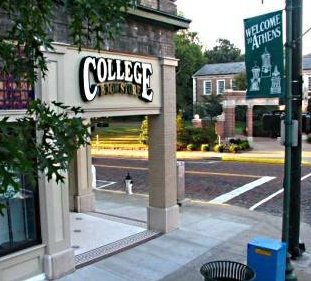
[194,95]
[58,259]
[249,122]
[229,121]
[82,197]
[220,126]
[55,228]
[163,211]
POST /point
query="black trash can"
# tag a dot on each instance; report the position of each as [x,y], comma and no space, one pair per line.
[227,271]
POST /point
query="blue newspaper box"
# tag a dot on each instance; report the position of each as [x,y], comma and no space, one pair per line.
[267,257]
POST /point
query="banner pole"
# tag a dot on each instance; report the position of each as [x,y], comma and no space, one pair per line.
[290,275]
[295,197]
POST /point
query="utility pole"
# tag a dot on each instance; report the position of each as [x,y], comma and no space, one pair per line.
[288,138]
[295,194]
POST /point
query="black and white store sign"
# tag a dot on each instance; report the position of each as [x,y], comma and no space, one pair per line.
[106,76]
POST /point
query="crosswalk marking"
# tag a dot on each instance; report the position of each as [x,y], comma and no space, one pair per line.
[273,195]
[102,183]
[238,191]
[265,200]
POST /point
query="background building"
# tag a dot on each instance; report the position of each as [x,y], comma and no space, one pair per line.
[215,79]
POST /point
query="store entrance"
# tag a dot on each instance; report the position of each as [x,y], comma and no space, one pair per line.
[118,220]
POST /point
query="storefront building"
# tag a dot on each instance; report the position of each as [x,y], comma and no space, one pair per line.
[134,75]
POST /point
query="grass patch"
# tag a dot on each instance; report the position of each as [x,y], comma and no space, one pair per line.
[118,136]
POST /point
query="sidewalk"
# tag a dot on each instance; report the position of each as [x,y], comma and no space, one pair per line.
[264,150]
[207,232]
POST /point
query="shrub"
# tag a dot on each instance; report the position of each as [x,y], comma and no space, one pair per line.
[180,125]
[204,147]
[245,145]
[219,148]
[234,148]
[198,136]
[143,136]
[190,147]
[180,146]
[236,141]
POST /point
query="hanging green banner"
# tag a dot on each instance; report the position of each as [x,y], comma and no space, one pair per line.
[264,56]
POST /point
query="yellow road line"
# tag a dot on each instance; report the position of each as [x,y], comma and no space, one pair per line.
[121,167]
[187,172]
[222,174]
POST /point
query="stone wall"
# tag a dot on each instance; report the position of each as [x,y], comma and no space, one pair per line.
[136,35]
[141,38]
[166,6]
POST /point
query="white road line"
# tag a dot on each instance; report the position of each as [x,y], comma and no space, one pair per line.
[305,177]
[265,200]
[238,191]
[106,183]
[273,195]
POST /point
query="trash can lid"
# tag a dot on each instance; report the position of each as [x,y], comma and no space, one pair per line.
[268,243]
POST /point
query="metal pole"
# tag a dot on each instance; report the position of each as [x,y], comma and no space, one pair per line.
[295,197]
[288,138]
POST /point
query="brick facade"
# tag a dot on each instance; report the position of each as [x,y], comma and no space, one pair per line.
[229,125]
[213,79]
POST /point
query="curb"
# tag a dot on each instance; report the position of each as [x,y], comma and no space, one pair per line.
[181,157]
[253,160]
[258,160]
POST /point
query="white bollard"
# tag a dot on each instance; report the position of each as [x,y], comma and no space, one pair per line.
[93,176]
[181,200]
[128,184]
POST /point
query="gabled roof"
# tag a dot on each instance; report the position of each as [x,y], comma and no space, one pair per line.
[236,67]
[221,68]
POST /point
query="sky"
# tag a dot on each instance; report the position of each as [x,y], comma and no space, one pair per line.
[214,19]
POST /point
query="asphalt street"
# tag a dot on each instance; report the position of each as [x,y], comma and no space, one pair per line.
[249,185]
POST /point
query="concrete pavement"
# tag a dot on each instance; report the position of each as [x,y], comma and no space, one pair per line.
[207,232]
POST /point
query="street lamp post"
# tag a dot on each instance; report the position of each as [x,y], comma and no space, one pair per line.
[295,197]
[287,183]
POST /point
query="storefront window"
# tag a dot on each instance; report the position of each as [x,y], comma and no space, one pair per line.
[14,95]
[19,226]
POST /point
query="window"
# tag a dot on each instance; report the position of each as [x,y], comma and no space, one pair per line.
[220,86]
[207,87]
[19,224]
[309,83]
[14,95]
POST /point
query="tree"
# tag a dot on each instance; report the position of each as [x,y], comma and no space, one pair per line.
[27,31]
[190,55]
[240,82]
[223,52]
[211,107]
[30,29]
[144,134]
